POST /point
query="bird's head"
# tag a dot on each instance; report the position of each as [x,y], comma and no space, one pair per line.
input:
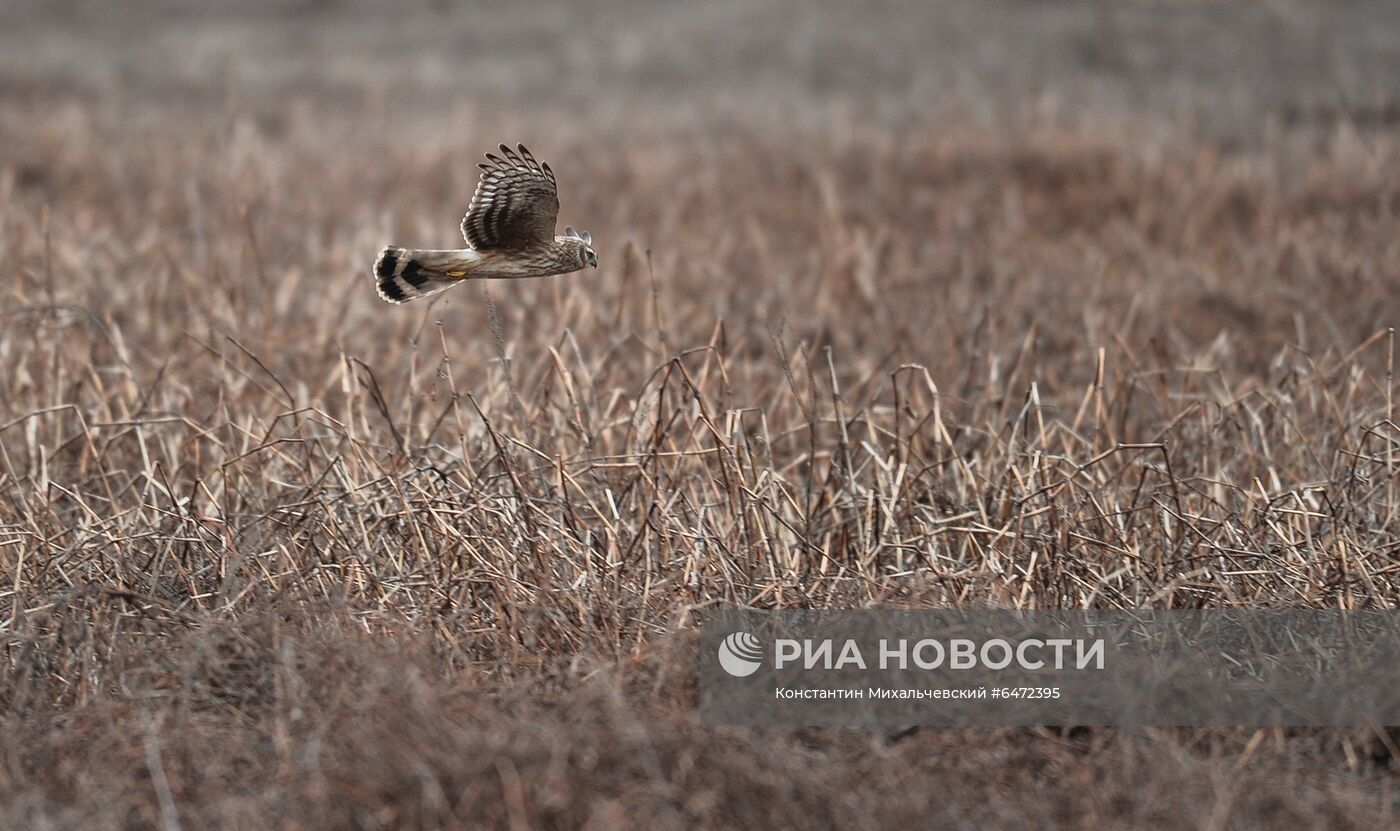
[581,243]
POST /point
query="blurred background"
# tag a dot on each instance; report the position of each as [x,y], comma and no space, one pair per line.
[1230,69]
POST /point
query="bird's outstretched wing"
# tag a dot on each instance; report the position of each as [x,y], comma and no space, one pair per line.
[515,205]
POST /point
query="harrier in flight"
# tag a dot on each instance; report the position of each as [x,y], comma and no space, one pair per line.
[509,228]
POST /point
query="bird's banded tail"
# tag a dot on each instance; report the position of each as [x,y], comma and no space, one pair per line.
[405,274]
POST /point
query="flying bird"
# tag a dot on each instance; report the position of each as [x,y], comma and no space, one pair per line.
[509,228]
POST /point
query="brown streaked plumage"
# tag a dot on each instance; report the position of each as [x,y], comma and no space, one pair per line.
[509,227]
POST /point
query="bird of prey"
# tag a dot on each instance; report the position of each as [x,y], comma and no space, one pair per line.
[509,229]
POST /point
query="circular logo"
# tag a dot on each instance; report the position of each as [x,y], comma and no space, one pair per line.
[740,654]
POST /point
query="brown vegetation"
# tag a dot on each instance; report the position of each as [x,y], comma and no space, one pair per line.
[277,554]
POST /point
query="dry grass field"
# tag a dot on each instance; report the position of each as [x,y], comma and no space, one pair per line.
[276,554]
